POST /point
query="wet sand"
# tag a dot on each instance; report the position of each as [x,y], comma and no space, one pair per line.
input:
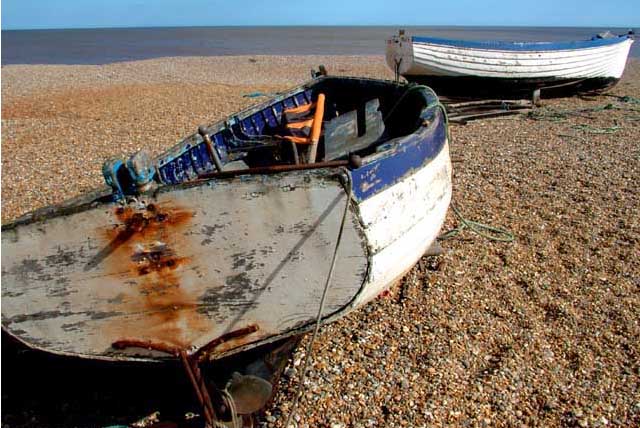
[539,332]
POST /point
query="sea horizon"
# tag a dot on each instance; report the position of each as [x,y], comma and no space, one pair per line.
[312,25]
[103,45]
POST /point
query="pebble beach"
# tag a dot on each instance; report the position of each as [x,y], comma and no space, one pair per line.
[543,331]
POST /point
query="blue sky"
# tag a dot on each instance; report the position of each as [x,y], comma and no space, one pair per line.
[24,14]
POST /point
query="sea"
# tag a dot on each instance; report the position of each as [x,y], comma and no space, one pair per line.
[108,45]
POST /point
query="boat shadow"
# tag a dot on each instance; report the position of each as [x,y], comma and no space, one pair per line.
[44,390]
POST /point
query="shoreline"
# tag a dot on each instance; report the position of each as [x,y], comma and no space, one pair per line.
[226,70]
[540,332]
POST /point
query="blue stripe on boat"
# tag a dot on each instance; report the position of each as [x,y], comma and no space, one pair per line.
[409,155]
[521,46]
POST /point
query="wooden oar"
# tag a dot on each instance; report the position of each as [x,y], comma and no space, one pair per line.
[316,128]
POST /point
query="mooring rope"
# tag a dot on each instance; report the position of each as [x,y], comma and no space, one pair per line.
[554,115]
[490,232]
[307,356]
[200,388]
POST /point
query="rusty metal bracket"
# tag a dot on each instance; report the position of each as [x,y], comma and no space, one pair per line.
[202,130]
[199,386]
[190,364]
[202,353]
[146,344]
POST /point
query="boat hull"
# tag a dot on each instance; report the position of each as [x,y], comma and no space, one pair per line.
[403,221]
[223,265]
[482,68]
[201,266]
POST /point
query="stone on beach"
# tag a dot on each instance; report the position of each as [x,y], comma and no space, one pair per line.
[540,332]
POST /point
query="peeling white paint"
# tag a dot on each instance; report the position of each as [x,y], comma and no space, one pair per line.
[403,221]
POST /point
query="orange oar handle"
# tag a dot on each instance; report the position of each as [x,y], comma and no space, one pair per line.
[316,128]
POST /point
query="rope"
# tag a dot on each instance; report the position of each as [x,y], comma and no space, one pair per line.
[260,94]
[553,115]
[596,130]
[410,88]
[629,99]
[305,366]
[260,140]
[235,421]
[200,388]
[490,232]
[397,69]
[624,98]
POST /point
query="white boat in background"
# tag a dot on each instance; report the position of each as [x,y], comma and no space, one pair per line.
[457,67]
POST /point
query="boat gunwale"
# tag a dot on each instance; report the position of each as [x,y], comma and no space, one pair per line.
[237,117]
[104,194]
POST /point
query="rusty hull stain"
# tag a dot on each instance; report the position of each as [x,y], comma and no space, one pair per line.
[149,242]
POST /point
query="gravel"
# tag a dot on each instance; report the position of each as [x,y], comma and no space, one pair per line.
[539,332]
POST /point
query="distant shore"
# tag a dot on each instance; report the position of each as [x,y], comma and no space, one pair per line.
[540,332]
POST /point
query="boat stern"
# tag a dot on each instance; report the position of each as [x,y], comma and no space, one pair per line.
[403,201]
[399,53]
[619,61]
[399,231]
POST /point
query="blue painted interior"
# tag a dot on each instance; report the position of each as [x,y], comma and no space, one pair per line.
[270,117]
[258,122]
[521,46]
[220,140]
[191,161]
[399,158]
[277,110]
[405,156]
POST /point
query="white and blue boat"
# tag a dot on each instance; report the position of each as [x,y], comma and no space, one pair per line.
[460,67]
[225,242]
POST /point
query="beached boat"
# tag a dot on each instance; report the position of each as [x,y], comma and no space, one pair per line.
[225,242]
[483,68]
